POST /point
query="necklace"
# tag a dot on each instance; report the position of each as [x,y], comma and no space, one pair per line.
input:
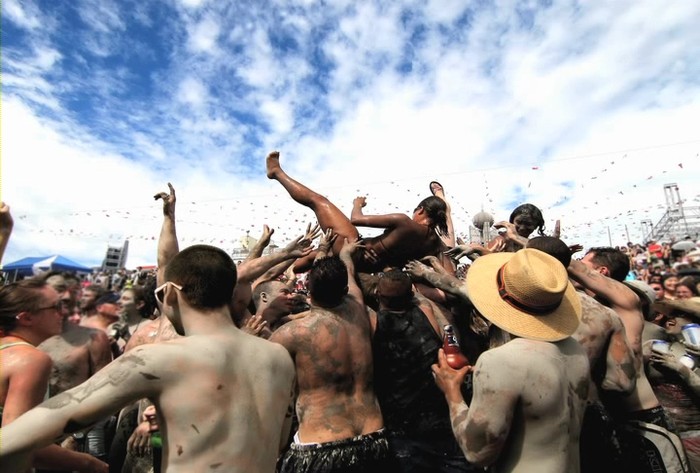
[21,338]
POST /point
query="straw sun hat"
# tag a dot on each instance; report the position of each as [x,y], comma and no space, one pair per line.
[526,293]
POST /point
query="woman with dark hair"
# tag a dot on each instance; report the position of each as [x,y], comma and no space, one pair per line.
[523,220]
[404,238]
[527,218]
[687,288]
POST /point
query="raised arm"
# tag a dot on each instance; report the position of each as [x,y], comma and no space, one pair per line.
[620,373]
[443,281]
[106,392]
[616,293]
[167,242]
[345,256]
[669,361]
[261,244]
[511,234]
[6,225]
[357,218]
[251,270]
[325,244]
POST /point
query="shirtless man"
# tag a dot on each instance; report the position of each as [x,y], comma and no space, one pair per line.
[404,237]
[600,273]
[88,298]
[340,422]
[77,353]
[273,300]
[221,395]
[29,314]
[602,334]
[530,393]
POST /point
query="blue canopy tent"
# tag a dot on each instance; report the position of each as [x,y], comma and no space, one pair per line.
[38,264]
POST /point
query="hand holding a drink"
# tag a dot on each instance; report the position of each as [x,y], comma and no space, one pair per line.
[448,379]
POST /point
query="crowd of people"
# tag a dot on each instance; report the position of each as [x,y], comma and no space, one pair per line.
[329,355]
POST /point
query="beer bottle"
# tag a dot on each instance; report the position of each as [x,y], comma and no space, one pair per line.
[450,345]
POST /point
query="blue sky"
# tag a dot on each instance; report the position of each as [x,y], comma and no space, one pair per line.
[584,109]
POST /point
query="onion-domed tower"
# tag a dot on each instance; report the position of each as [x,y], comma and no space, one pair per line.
[483,221]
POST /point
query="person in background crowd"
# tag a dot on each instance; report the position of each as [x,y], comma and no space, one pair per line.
[675,374]
[670,281]
[77,353]
[601,272]
[686,288]
[88,298]
[30,312]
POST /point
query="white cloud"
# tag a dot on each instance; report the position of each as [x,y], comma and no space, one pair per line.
[192,92]
[103,16]
[24,14]
[204,35]
[599,98]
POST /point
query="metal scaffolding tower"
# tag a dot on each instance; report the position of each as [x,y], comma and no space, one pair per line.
[677,222]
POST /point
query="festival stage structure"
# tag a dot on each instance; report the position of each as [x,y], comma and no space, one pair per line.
[678,222]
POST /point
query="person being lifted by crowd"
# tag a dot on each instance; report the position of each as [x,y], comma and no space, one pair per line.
[403,239]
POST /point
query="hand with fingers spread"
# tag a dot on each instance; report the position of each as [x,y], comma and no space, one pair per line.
[326,242]
[417,269]
[435,263]
[667,360]
[466,250]
[168,201]
[312,233]
[575,248]
[496,245]
[349,247]
[510,231]
[254,325]
[301,245]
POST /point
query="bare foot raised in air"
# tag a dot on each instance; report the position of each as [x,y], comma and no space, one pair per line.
[437,190]
[272,164]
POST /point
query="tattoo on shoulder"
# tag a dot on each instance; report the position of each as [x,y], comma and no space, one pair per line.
[128,363]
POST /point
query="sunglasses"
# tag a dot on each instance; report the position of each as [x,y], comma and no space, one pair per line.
[57,307]
[160,290]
